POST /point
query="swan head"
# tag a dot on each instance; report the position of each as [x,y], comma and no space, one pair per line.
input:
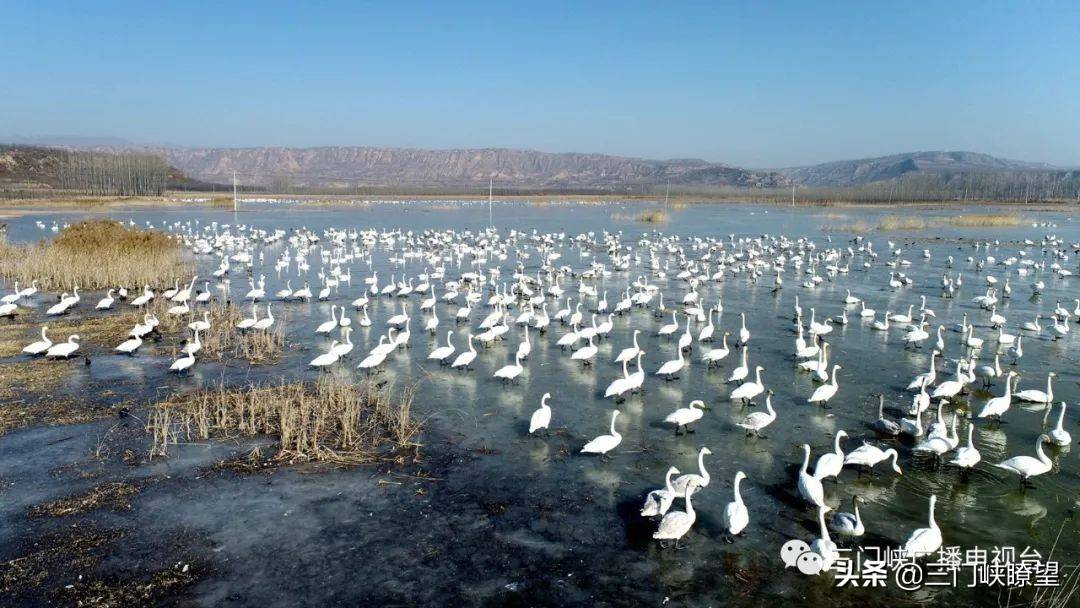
[706,451]
[841,433]
[697,403]
[739,476]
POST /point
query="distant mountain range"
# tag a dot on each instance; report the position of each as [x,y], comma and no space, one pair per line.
[388,167]
[349,166]
[868,170]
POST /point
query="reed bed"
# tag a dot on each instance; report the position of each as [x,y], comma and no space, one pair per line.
[899,222]
[987,220]
[96,254]
[892,223]
[224,340]
[324,421]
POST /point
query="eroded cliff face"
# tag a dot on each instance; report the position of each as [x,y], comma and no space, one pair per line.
[415,167]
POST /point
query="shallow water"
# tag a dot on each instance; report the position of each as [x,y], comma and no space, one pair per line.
[513,518]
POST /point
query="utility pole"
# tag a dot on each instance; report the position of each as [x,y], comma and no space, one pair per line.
[793,194]
[234,207]
[491,186]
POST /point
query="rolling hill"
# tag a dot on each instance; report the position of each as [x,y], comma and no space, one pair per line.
[868,170]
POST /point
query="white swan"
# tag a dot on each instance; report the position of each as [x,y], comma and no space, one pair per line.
[604,443]
[1035,395]
[264,323]
[848,524]
[715,355]
[823,545]
[42,345]
[748,390]
[326,327]
[541,418]
[736,516]
[465,358]
[925,541]
[64,349]
[810,487]
[682,417]
[510,371]
[129,346]
[831,463]
[699,480]
[826,391]
[967,456]
[326,359]
[676,524]
[883,425]
[183,363]
[628,354]
[670,368]
[1058,435]
[657,502]
[1028,466]
[106,302]
[441,353]
[999,405]
[868,455]
[756,421]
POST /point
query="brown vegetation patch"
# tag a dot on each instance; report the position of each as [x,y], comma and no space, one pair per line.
[116,495]
[105,330]
[891,223]
[162,583]
[324,421]
[28,397]
[652,216]
[96,254]
[223,340]
[77,550]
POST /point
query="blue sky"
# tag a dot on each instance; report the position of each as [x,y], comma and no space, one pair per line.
[759,84]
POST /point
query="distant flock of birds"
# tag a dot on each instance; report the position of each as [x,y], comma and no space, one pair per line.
[584,316]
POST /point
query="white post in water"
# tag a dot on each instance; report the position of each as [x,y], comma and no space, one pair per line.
[793,194]
[491,186]
[234,191]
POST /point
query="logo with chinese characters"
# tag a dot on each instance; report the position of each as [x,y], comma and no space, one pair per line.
[1004,567]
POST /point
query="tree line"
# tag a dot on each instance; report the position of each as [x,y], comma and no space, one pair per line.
[1002,186]
[112,174]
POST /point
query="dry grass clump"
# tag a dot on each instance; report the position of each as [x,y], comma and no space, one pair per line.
[324,421]
[116,495]
[104,330]
[652,216]
[986,220]
[76,549]
[96,254]
[223,340]
[899,222]
[142,592]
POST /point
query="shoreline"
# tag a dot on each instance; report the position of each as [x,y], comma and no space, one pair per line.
[11,208]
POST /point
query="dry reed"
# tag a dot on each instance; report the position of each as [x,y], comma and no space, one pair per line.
[891,223]
[223,341]
[96,254]
[987,220]
[325,421]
